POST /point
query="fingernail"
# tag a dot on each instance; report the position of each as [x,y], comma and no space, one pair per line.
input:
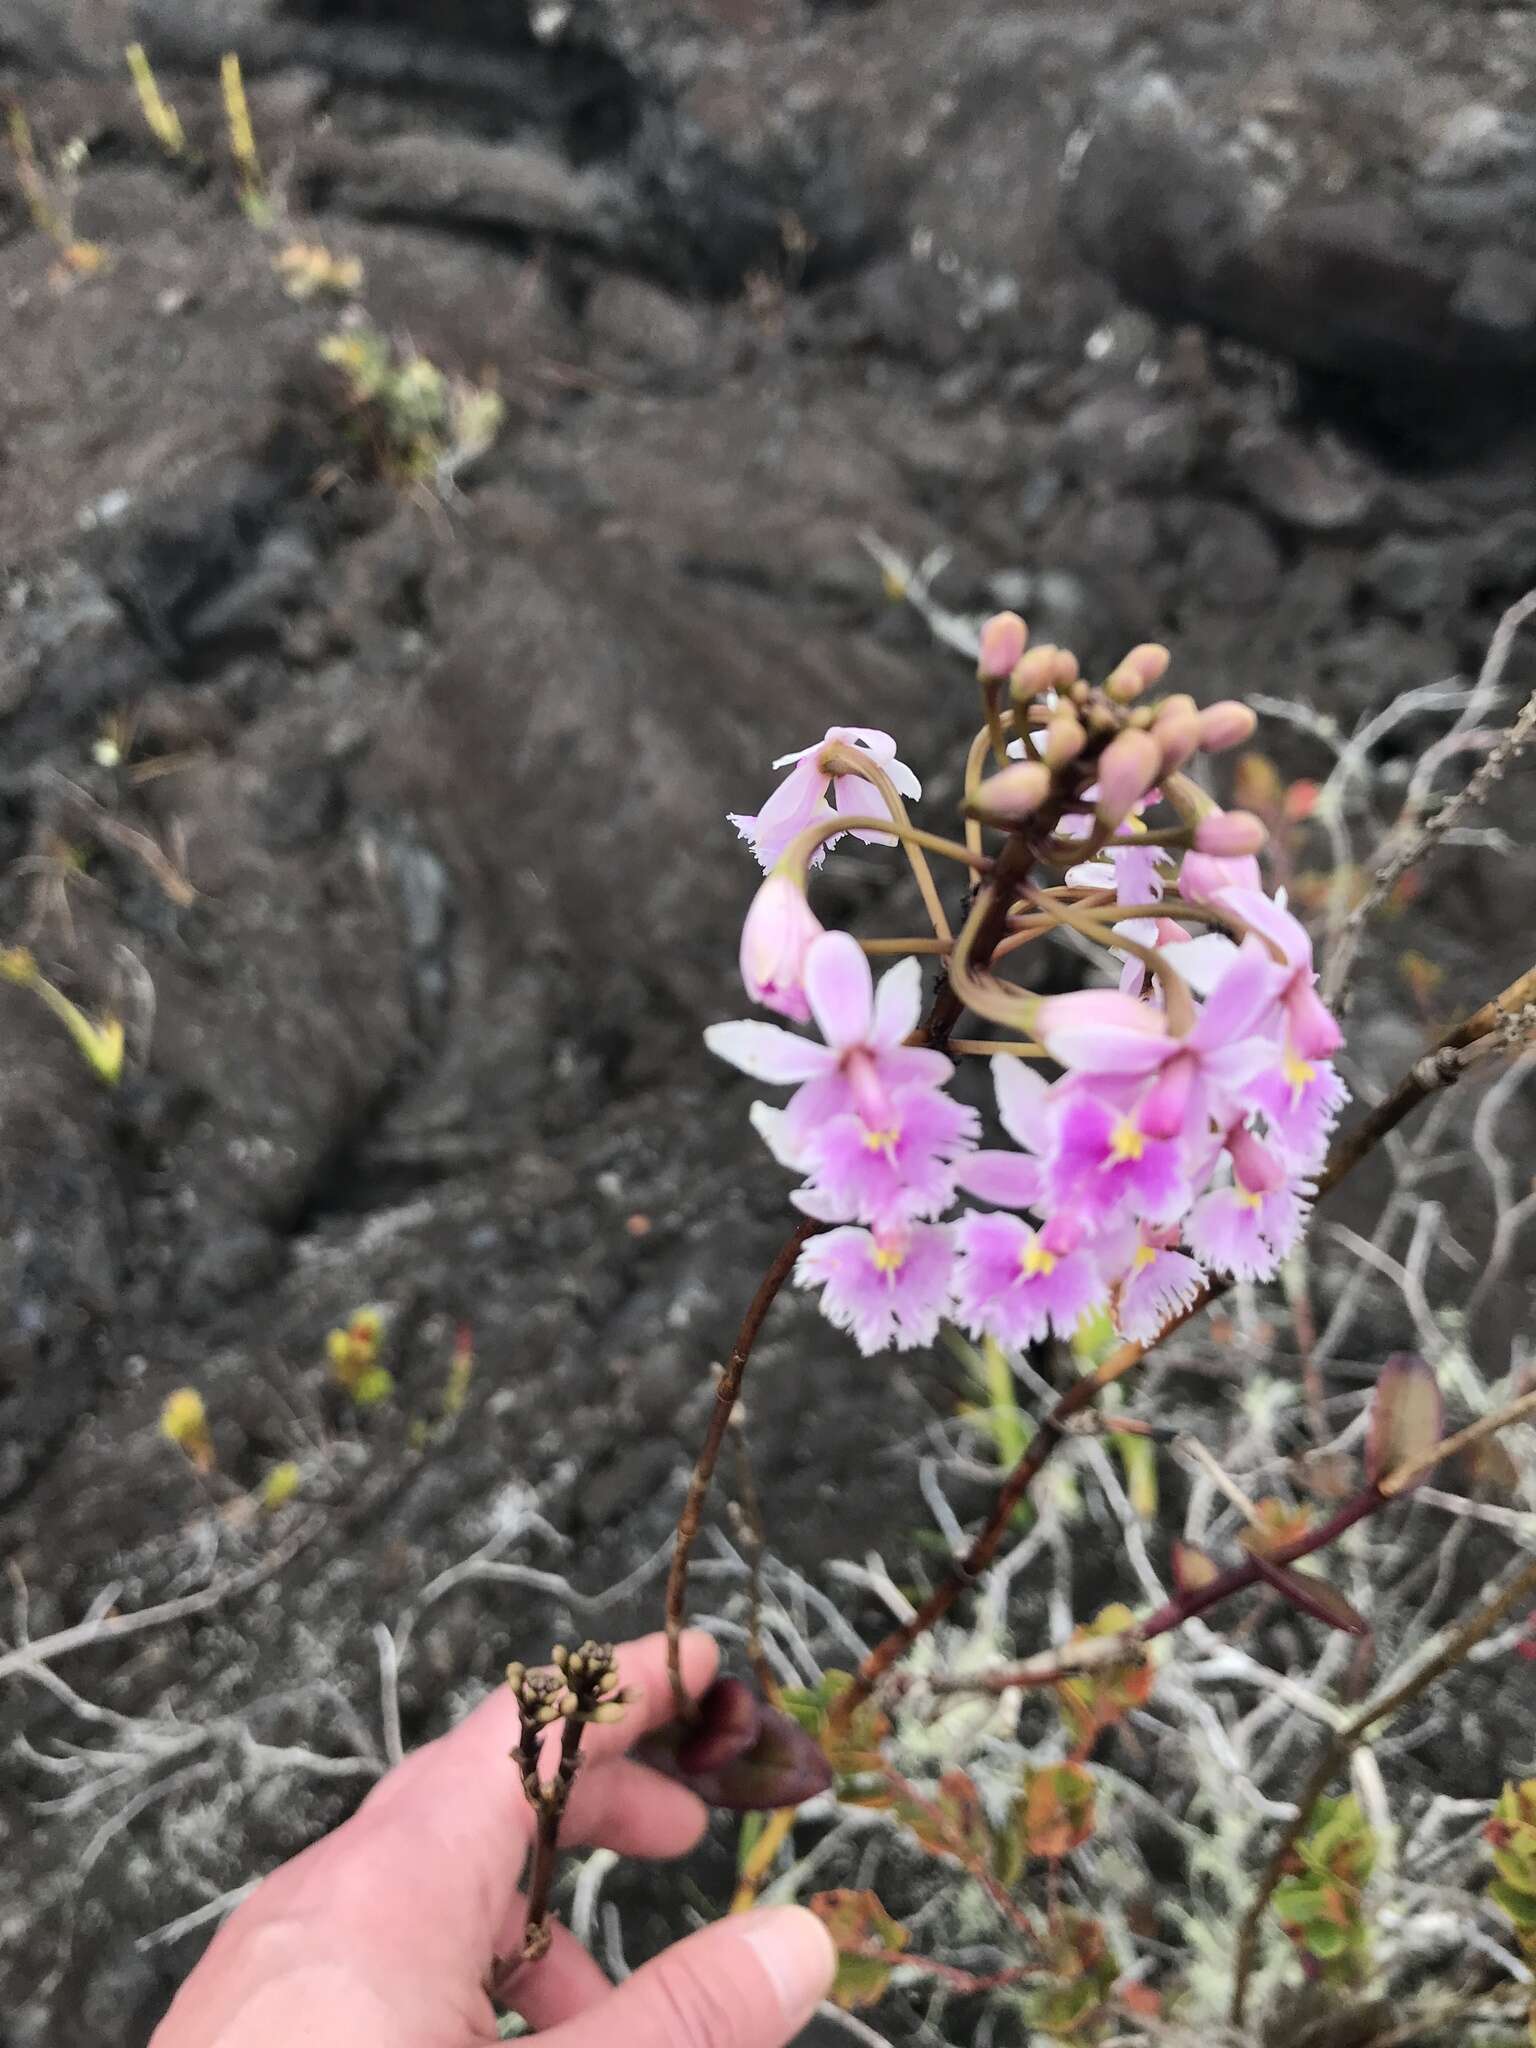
[797,1952]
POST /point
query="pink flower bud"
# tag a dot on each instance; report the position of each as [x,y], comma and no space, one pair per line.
[1229,834]
[1127,769]
[1227,724]
[1064,740]
[1203,876]
[1003,640]
[1258,1169]
[1013,794]
[779,931]
[1148,662]
[1178,737]
[1037,671]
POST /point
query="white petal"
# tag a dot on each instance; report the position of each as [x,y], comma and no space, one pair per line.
[1202,961]
[898,1004]
[904,779]
[771,1125]
[840,989]
[1022,1094]
[767,1052]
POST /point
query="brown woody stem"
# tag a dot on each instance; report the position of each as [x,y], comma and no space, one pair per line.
[726,1393]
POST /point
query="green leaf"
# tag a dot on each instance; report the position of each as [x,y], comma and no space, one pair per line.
[1519,1905]
[952,1822]
[752,1825]
[867,1939]
[855,1752]
[1325,1940]
[1299,1901]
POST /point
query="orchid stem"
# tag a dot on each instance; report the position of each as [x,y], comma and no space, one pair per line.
[883,946]
[853,761]
[1021,1048]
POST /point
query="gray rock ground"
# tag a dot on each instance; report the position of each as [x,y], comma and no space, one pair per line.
[1215,325]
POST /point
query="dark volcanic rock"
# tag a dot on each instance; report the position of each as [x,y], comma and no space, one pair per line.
[1424,331]
[392,821]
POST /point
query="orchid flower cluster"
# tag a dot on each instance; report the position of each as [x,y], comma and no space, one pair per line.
[1192,1101]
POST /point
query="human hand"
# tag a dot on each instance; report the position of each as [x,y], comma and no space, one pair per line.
[382,1935]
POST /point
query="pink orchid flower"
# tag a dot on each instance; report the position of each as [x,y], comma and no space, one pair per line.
[1159,1283]
[1015,1283]
[1310,1026]
[800,799]
[1106,1036]
[868,1120]
[1246,1232]
[901,1168]
[888,1288]
[1105,1161]
[1203,876]
[1301,1093]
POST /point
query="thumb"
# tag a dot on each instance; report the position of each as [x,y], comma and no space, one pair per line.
[749,1981]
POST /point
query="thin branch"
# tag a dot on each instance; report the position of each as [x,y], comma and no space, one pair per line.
[727,1389]
[1414,846]
[1336,1755]
[109,1628]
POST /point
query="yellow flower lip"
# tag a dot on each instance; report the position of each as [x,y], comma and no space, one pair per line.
[1126,1141]
[1298,1072]
[881,1141]
[1035,1259]
[889,1258]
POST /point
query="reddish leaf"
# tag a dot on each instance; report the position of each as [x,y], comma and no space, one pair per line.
[1193,1568]
[1277,1524]
[776,1765]
[1312,1596]
[953,1822]
[1407,1416]
[1056,1814]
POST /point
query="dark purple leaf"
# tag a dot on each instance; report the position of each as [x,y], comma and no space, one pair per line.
[726,1728]
[1407,1416]
[1312,1596]
[779,1764]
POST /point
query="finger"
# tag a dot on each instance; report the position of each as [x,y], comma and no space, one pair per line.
[749,1981]
[619,1804]
[563,1985]
[450,1829]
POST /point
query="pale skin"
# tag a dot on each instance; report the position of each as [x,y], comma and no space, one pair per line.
[382,1934]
